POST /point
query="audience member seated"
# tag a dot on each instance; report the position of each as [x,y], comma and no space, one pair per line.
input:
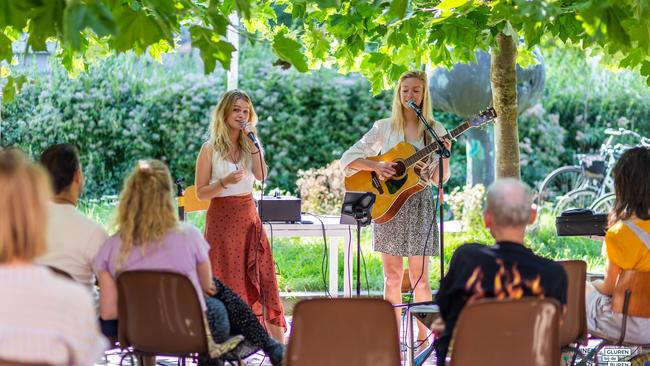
[149,236]
[72,239]
[44,318]
[505,270]
[626,246]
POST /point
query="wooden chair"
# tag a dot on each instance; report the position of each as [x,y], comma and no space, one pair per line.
[573,328]
[177,327]
[507,332]
[189,202]
[631,298]
[360,332]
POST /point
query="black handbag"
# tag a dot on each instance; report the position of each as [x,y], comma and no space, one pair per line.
[581,221]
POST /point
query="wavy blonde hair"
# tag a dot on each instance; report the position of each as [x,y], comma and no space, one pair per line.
[219,137]
[23,207]
[145,212]
[397,114]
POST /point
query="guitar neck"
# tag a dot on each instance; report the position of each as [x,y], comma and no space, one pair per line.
[432,147]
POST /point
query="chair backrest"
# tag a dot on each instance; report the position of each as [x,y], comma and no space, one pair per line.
[507,332]
[60,272]
[160,313]
[192,202]
[573,328]
[638,284]
[16,363]
[356,332]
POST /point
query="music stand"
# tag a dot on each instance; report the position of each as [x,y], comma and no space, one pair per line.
[357,208]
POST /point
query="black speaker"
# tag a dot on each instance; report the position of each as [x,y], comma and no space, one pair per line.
[279,209]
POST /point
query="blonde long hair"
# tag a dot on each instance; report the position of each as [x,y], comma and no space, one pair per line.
[219,137]
[398,110]
[145,211]
[23,207]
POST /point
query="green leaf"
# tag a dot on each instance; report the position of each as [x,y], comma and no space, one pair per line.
[6,52]
[451,4]
[137,30]
[289,50]
[15,13]
[298,9]
[13,86]
[326,4]
[645,68]
[243,8]
[396,10]
[615,31]
[211,47]
[218,21]
[77,17]
[46,21]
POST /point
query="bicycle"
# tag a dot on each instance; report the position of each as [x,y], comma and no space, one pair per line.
[578,186]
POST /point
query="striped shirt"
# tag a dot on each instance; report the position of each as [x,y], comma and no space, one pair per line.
[46,318]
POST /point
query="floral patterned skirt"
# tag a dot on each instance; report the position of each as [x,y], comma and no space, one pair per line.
[411,232]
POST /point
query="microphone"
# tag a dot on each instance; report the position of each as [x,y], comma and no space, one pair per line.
[412,105]
[250,135]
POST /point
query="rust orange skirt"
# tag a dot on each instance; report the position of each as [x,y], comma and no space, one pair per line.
[241,256]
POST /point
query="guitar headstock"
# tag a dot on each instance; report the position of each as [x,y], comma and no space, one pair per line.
[482,118]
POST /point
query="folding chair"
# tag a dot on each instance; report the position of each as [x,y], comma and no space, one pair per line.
[573,328]
[160,314]
[507,332]
[360,332]
[631,298]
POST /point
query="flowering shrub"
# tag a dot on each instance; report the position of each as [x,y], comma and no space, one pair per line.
[467,206]
[322,189]
[541,143]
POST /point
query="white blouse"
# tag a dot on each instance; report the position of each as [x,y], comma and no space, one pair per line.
[222,167]
[380,139]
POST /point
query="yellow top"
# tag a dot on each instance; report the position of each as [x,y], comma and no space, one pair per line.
[624,247]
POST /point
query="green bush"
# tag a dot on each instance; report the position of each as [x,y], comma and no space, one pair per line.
[588,97]
[128,108]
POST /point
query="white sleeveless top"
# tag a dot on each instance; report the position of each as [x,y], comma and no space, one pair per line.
[222,167]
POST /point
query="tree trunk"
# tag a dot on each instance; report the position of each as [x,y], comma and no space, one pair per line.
[503,77]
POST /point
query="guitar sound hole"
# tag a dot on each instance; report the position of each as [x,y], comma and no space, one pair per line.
[399,169]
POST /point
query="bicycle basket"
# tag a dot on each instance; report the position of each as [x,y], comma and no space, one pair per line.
[593,166]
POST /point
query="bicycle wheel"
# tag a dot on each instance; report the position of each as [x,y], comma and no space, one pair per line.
[579,198]
[557,184]
[604,203]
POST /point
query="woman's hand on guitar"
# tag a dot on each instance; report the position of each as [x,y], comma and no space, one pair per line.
[384,169]
[447,144]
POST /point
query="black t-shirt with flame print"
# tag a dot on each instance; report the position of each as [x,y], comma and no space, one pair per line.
[505,270]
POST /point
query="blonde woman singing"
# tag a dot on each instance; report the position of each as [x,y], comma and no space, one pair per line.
[240,253]
[407,234]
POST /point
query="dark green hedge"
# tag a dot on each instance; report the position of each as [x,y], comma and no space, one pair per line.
[127,108]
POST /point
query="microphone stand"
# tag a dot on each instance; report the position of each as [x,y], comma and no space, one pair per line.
[442,152]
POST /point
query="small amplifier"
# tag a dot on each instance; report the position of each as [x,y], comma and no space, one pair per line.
[577,222]
[279,209]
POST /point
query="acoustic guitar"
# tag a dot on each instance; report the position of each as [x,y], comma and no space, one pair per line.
[393,192]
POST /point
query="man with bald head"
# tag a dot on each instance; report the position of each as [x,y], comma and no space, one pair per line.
[505,270]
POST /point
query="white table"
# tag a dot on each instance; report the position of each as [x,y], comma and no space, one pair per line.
[335,232]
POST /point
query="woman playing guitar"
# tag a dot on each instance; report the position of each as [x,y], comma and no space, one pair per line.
[407,234]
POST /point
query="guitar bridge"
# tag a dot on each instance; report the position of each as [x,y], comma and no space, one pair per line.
[376,183]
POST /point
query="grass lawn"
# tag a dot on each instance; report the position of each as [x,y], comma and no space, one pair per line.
[300,262]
